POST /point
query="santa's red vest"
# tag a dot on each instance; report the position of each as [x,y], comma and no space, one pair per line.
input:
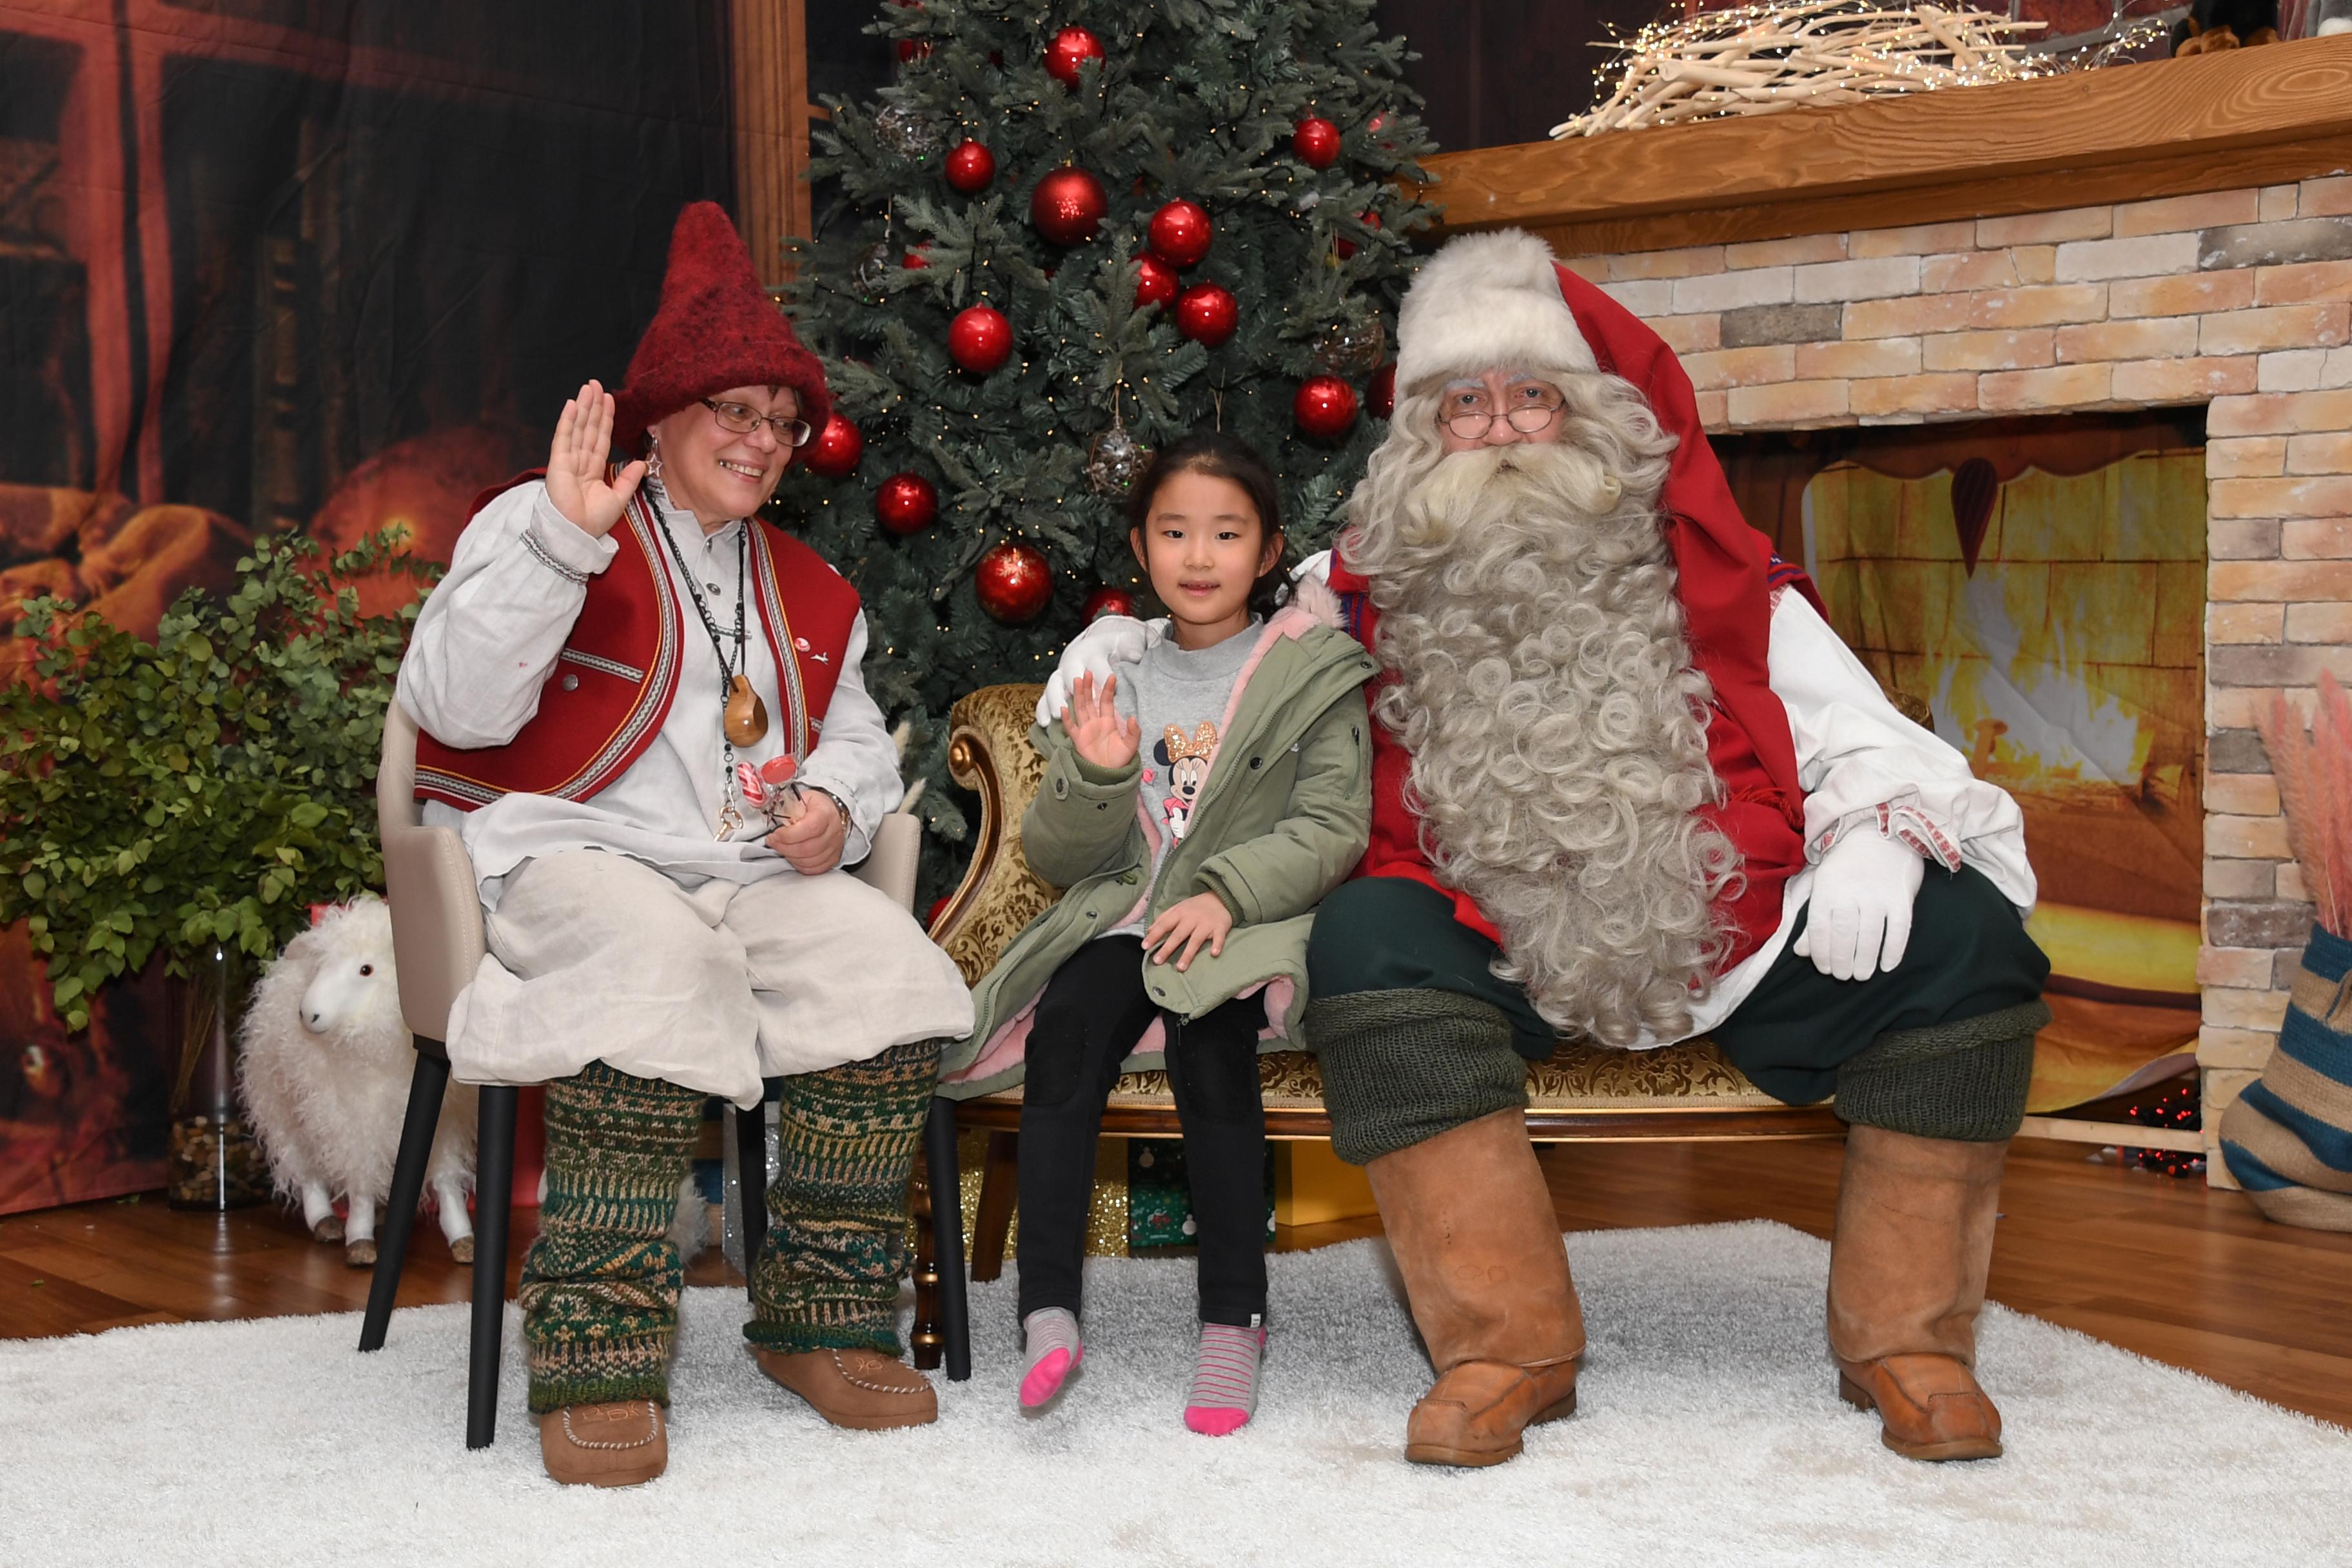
[611,686]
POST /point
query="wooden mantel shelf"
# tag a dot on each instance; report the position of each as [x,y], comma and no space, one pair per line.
[2162,128]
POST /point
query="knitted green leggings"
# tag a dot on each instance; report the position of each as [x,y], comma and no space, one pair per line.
[600,1285]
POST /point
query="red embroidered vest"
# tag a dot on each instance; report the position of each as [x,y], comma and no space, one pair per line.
[611,686]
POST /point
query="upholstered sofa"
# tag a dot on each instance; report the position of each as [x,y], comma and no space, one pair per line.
[1687,1091]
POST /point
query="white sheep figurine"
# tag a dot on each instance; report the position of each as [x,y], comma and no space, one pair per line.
[327,1064]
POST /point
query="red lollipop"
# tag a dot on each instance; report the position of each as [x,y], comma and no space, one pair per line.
[1207,314]
[1071,47]
[1324,407]
[970,167]
[833,451]
[906,504]
[1317,141]
[1013,581]
[1068,205]
[980,339]
[1155,281]
[1179,232]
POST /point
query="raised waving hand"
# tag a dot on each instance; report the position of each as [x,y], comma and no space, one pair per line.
[576,483]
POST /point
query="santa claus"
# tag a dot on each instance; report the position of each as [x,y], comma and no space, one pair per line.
[1629,788]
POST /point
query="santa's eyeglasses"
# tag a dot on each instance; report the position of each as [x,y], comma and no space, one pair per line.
[1470,414]
[742,421]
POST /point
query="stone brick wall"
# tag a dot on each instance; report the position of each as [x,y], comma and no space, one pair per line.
[2240,300]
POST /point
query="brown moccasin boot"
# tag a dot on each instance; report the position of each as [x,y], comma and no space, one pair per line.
[1478,1241]
[619,1445]
[1908,1268]
[1929,1406]
[861,1389]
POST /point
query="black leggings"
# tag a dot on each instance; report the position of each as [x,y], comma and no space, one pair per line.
[1092,1014]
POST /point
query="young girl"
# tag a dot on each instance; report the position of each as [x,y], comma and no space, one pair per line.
[1197,806]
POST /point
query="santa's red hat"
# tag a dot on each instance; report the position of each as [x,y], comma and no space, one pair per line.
[716,328]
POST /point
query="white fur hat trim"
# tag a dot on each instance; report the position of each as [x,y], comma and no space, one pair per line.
[1483,300]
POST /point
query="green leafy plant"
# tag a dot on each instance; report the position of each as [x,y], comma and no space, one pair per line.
[206,787]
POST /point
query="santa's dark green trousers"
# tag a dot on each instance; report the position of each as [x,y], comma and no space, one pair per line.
[1417,1036]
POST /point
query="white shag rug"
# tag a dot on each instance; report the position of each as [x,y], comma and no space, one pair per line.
[1709,1432]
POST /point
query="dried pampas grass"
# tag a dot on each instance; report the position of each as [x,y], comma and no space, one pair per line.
[2313,770]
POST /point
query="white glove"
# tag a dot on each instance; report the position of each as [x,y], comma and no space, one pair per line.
[1861,919]
[1110,639]
[1317,566]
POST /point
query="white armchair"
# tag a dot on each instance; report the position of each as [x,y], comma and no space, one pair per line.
[437,945]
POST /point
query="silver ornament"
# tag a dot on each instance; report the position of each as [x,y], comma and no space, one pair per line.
[1352,348]
[1114,460]
[906,131]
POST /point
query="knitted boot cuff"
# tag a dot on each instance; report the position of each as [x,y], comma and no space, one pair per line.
[1402,1067]
[1964,1080]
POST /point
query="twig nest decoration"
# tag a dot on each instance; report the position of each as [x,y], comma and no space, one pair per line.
[1761,59]
[1114,460]
[1352,348]
[906,131]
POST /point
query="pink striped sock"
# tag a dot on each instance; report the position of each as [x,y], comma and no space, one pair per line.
[1051,1337]
[1224,1393]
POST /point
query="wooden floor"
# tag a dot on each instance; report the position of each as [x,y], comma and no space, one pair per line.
[2164,1267]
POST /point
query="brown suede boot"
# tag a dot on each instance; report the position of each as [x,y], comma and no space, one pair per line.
[861,1389]
[1907,1267]
[1478,1241]
[616,1445]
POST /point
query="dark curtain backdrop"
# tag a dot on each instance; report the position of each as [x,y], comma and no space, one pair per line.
[295,263]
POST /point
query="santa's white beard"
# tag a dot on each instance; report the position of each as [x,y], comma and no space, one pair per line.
[1546,692]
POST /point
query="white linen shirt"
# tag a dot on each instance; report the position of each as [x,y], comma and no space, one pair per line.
[486,641]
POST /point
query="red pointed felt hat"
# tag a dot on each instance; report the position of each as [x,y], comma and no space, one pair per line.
[716,328]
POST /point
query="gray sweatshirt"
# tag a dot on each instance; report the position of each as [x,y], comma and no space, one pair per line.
[1180,700]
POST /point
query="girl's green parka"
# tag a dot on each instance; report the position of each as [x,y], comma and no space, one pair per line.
[1282,819]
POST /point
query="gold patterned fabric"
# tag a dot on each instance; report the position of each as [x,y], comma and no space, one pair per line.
[990,754]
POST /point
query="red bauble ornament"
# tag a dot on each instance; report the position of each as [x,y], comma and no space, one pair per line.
[1346,247]
[970,167]
[980,339]
[1317,141]
[1013,581]
[938,907]
[914,260]
[1179,232]
[913,49]
[1071,47]
[835,451]
[1155,281]
[1108,601]
[1068,205]
[1381,395]
[906,504]
[1324,407]
[1207,314]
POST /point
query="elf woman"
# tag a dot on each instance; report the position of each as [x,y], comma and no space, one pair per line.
[1197,806]
[608,649]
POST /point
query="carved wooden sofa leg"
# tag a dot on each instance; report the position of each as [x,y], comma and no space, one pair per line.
[998,1184]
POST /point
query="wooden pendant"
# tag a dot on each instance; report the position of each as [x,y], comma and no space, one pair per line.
[746,716]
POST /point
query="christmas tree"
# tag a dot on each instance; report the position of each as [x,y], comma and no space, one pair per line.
[1066,234]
